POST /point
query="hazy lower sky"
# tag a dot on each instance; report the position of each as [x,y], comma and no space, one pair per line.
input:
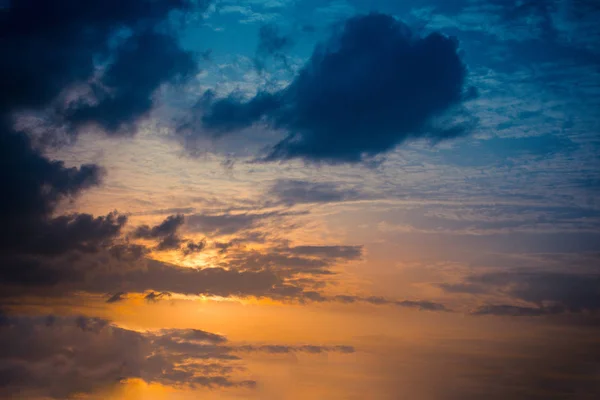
[299,199]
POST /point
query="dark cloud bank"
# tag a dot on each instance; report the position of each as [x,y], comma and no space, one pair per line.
[371,87]
[48,50]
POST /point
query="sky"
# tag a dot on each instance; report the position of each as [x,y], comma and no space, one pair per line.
[299,199]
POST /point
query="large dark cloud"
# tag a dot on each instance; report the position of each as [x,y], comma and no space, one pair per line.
[81,232]
[49,46]
[371,87]
[123,51]
[141,65]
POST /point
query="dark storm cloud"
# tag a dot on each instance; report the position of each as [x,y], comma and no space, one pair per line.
[32,184]
[52,45]
[292,192]
[373,86]
[141,65]
[47,48]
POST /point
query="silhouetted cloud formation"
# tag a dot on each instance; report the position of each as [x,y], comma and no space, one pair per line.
[52,46]
[168,227]
[113,47]
[166,233]
[101,355]
[371,87]
[58,357]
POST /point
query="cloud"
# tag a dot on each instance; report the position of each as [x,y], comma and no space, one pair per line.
[146,61]
[512,311]
[194,247]
[168,227]
[423,305]
[291,191]
[117,297]
[30,248]
[368,89]
[550,293]
[229,223]
[166,233]
[47,58]
[106,46]
[59,357]
[288,261]
[81,232]
[271,44]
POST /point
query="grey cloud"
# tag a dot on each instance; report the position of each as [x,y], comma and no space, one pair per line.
[551,293]
[423,305]
[289,261]
[168,227]
[59,357]
[509,310]
[167,234]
